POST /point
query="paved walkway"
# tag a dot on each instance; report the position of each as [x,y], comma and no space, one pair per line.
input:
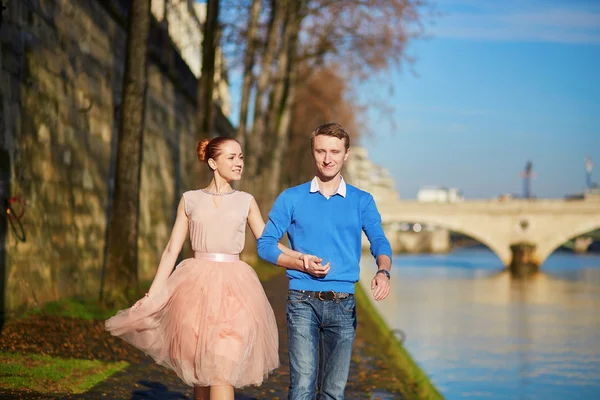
[144,379]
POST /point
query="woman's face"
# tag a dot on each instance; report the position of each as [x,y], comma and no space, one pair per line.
[230,163]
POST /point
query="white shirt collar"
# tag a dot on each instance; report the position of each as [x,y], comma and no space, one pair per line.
[341,190]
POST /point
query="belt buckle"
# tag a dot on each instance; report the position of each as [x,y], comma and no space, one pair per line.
[322,299]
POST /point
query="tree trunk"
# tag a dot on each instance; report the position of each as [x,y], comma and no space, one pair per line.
[283,120]
[5,178]
[277,96]
[248,64]
[270,117]
[119,282]
[207,79]
[257,133]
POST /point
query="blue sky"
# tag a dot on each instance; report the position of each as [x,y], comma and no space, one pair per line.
[495,84]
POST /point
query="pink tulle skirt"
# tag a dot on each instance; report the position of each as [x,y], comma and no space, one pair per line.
[212,324]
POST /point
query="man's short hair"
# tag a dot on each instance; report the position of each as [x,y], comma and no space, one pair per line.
[330,129]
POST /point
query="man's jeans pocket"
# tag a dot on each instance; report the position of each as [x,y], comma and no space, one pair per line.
[297,297]
[348,304]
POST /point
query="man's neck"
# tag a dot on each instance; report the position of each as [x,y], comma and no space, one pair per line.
[330,186]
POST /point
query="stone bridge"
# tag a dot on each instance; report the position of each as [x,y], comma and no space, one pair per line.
[517,231]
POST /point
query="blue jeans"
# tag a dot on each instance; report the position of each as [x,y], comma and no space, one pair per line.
[320,336]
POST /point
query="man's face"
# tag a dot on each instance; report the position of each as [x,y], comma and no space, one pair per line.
[329,153]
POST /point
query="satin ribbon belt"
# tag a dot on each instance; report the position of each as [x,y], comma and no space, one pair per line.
[218,257]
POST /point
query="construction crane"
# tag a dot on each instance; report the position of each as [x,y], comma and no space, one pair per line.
[588,172]
[527,174]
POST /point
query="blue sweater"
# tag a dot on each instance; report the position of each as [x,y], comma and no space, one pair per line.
[328,228]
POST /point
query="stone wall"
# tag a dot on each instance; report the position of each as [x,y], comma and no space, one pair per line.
[61,72]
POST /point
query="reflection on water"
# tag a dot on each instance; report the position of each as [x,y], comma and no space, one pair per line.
[478,333]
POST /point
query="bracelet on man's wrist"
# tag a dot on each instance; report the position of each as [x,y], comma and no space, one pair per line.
[385,272]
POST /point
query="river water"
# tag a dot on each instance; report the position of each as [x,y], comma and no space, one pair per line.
[478,333]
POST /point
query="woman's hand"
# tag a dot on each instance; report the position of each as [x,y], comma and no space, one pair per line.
[141,301]
[312,265]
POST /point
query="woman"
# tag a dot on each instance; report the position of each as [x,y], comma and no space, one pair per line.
[209,320]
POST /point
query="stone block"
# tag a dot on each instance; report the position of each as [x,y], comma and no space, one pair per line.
[100,51]
[68,116]
[43,134]
[48,9]
[51,60]
[43,32]
[11,88]
[89,88]
[12,62]
[71,23]
[78,196]
[17,12]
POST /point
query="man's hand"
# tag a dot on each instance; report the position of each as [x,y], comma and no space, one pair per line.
[380,286]
[312,265]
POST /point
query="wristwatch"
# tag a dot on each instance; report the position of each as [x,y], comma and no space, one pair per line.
[385,272]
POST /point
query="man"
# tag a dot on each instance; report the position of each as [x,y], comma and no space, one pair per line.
[325,217]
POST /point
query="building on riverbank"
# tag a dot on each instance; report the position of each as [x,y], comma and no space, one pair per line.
[184,19]
[434,194]
[361,172]
[408,236]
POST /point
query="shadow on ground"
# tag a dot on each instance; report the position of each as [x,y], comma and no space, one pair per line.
[158,391]
[371,378]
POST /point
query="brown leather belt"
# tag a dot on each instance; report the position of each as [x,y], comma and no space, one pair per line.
[328,295]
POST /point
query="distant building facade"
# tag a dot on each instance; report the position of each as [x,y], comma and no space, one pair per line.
[404,237]
[361,172]
[592,194]
[589,194]
[184,21]
[439,195]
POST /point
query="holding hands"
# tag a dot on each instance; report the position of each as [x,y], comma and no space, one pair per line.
[312,265]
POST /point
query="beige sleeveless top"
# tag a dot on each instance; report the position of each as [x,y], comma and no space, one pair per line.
[219,229]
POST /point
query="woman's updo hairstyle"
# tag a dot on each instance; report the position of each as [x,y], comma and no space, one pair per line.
[207,149]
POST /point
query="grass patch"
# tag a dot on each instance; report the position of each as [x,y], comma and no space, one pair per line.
[92,309]
[85,309]
[46,374]
[74,308]
[414,378]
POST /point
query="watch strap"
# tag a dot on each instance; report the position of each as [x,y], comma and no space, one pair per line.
[385,272]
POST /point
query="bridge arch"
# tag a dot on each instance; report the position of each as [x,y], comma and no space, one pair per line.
[545,224]
[559,237]
[501,250]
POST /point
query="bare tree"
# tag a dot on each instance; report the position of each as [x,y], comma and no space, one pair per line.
[341,42]
[285,96]
[361,37]
[207,79]
[355,38]
[248,66]
[120,277]
[278,11]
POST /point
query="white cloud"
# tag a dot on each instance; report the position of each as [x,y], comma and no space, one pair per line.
[421,108]
[573,19]
[524,21]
